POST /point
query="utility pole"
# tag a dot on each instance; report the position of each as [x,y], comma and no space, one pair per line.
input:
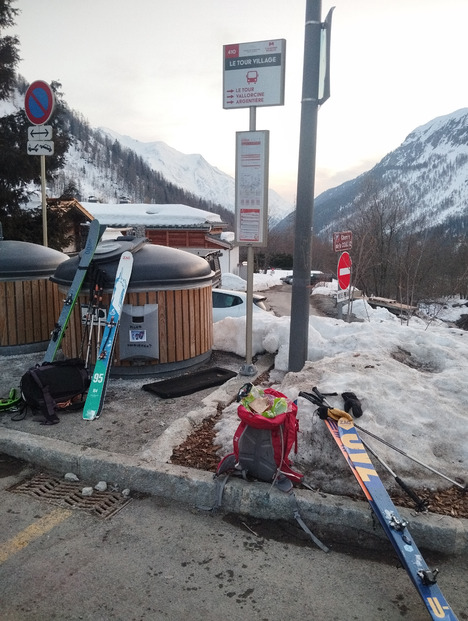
[315,90]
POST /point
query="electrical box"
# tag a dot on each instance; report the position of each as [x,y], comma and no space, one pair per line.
[139,332]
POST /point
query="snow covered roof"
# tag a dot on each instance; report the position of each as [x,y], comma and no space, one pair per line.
[157,216]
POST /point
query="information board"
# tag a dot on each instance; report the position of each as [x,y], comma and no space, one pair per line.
[252,150]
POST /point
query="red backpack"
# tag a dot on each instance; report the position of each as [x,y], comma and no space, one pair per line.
[261,449]
[262,446]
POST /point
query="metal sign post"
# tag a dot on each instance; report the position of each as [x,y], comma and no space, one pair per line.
[253,76]
[39,103]
[251,211]
[315,91]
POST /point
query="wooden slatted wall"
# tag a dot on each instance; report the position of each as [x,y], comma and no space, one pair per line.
[185,326]
[28,311]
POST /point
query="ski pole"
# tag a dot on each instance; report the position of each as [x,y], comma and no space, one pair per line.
[395,448]
[90,336]
[320,399]
[421,505]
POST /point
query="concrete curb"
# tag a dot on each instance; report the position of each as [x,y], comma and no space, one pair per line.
[329,517]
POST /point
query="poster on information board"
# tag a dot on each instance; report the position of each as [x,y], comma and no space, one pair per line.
[252,148]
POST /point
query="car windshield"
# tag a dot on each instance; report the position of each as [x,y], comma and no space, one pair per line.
[225,300]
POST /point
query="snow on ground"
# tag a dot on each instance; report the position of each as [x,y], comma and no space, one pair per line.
[411,379]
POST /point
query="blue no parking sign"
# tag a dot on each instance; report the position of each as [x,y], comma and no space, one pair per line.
[39,102]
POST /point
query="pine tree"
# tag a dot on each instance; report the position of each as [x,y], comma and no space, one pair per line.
[9,45]
[18,168]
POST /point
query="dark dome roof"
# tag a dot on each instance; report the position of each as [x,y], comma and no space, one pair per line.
[154,267]
[25,261]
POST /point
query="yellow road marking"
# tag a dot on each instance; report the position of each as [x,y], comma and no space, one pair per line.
[32,532]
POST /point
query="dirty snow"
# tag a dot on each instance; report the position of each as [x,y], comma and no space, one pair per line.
[411,379]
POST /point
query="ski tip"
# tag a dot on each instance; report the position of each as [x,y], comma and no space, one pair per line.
[90,415]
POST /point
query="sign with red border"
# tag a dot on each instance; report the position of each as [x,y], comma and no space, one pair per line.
[342,241]
[39,102]
[344,270]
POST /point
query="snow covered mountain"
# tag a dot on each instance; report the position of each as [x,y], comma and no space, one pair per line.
[427,174]
[194,174]
[89,166]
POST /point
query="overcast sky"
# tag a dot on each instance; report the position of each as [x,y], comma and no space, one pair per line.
[153,70]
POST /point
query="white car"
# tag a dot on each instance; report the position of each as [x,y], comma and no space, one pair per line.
[234,304]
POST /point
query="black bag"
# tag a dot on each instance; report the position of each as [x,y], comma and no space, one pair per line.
[55,385]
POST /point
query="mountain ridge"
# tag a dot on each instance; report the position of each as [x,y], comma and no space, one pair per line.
[194,173]
[427,173]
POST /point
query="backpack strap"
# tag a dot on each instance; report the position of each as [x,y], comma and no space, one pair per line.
[226,468]
[302,524]
[51,417]
[21,412]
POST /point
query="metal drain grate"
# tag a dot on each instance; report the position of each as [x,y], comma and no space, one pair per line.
[68,494]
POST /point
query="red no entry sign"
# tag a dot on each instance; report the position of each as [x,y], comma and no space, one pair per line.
[344,270]
[39,102]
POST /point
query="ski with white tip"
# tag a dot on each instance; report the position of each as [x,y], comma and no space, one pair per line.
[97,390]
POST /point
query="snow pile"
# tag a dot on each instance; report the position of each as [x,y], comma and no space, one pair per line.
[411,380]
[149,215]
[261,281]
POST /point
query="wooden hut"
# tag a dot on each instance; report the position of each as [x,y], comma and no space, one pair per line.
[167,320]
[29,302]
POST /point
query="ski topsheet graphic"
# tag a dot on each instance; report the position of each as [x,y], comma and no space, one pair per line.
[351,446]
[97,390]
[86,257]
[395,527]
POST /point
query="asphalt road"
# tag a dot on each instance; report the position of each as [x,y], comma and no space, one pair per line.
[156,560]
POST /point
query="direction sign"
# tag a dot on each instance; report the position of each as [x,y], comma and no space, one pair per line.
[342,241]
[39,102]
[344,270]
[343,295]
[254,74]
[40,147]
[44,132]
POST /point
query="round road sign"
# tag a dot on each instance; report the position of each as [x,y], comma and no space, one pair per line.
[344,270]
[39,102]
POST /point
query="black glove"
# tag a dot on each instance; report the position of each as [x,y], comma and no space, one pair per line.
[322,412]
[351,402]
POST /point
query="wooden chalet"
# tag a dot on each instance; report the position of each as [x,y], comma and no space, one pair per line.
[177,226]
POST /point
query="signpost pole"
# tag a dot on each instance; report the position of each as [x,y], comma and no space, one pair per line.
[44,201]
[249,368]
[300,299]
[253,76]
[350,296]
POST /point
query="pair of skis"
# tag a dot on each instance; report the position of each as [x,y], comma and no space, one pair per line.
[97,390]
[96,393]
[424,579]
